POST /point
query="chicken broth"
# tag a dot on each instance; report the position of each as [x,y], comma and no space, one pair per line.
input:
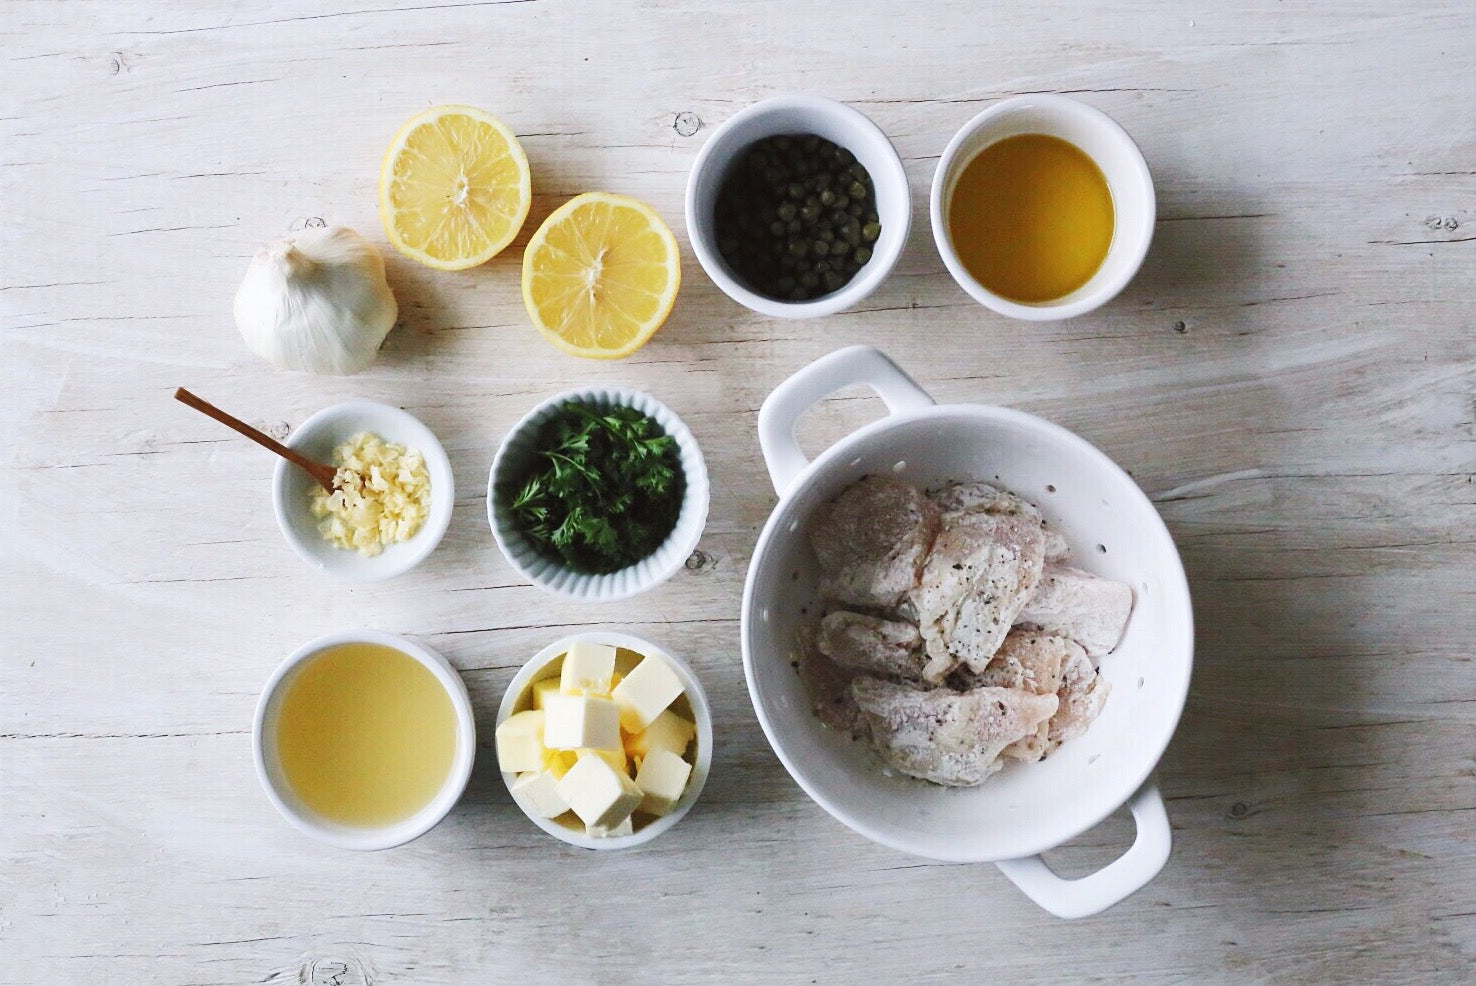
[366,735]
[1032,218]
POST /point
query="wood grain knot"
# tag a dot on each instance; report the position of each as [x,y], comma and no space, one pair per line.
[1181,327]
[687,123]
[335,972]
[700,561]
[1242,810]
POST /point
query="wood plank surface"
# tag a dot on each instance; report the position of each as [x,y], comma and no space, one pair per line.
[1291,378]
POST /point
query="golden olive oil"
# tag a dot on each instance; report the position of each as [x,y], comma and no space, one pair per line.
[1031,218]
[365,735]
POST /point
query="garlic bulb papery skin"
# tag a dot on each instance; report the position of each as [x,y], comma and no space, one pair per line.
[317,301]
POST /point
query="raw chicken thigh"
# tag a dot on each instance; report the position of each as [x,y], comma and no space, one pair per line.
[871,541]
[944,736]
[1081,606]
[870,644]
[978,576]
[956,637]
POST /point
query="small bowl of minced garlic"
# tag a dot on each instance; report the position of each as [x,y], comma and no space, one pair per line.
[392,495]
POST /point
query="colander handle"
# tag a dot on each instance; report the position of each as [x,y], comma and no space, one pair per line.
[1125,875]
[792,398]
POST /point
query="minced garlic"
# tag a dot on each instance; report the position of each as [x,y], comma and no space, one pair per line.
[382,495]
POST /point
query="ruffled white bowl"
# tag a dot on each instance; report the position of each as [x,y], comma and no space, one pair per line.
[549,573]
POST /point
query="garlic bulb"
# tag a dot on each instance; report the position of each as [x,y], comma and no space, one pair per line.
[317,301]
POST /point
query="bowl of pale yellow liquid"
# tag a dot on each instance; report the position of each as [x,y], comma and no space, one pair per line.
[364,740]
[1042,208]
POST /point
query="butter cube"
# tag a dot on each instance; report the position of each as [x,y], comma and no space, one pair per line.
[559,761]
[668,731]
[626,827]
[587,669]
[542,689]
[645,692]
[662,779]
[520,742]
[537,792]
[575,721]
[600,795]
[615,758]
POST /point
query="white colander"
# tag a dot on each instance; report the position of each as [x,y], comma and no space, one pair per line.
[1113,530]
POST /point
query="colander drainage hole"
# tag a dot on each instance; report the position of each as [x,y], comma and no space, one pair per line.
[793,526]
[900,466]
[764,614]
[1101,549]
[1140,682]
[855,462]
[1050,487]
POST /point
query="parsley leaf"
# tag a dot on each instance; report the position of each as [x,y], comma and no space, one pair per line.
[602,491]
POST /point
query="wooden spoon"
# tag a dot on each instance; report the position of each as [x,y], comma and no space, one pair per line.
[322,473]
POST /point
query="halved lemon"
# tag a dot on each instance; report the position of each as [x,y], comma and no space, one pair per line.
[454,189]
[601,275]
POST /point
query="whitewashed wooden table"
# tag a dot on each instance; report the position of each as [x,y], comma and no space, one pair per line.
[1292,378]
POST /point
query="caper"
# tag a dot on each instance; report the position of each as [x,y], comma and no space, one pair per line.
[796,216]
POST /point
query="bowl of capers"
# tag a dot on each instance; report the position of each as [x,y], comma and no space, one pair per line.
[798,206]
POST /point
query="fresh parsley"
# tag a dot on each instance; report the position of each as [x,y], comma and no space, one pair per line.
[603,489]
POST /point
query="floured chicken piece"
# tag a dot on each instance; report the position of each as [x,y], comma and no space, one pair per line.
[958,501]
[981,570]
[869,644]
[977,641]
[944,736]
[1033,661]
[1028,659]
[828,684]
[1081,696]
[871,541]
[1090,610]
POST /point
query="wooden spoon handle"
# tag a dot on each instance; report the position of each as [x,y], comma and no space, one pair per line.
[319,471]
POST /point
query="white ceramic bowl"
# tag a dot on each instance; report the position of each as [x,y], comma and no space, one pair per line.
[279,791]
[548,573]
[317,437]
[837,123]
[1112,529]
[1101,139]
[546,664]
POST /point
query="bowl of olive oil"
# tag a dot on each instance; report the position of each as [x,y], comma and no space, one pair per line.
[1042,208]
[364,740]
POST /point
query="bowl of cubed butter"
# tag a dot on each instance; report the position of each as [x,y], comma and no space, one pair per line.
[604,740]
